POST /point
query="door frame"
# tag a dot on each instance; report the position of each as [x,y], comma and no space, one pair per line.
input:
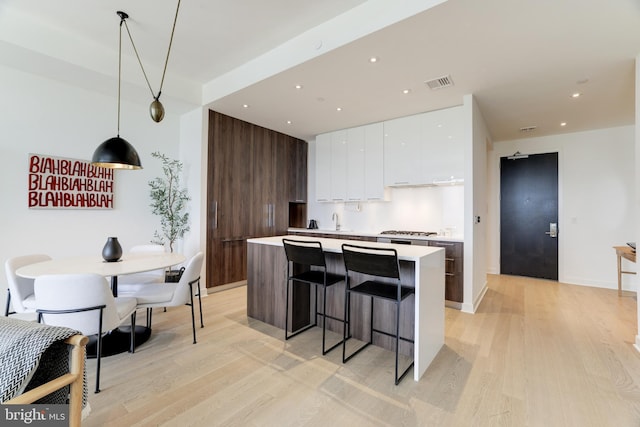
[531,148]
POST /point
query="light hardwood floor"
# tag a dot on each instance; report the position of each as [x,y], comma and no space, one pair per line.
[537,353]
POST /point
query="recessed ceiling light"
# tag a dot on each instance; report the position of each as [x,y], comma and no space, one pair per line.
[406,91]
[563,124]
[576,95]
[288,122]
[298,86]
[245,105]
[373,59]
[339,109]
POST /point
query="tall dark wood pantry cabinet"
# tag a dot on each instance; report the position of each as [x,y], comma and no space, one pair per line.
[253,175]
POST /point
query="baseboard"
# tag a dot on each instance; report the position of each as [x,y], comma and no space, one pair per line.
[471,308]
[453,304]
[221,288]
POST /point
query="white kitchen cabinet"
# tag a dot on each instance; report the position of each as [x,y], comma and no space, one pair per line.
[356,146]
[323,167]
[339,166]
[442,137]
[402,151]
[349,164]
[374,162]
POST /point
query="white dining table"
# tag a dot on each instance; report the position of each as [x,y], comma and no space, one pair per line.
[129,263]
[116,341]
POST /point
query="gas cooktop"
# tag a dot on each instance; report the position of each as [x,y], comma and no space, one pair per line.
[410,233]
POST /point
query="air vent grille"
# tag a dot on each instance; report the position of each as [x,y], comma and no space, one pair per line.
[528,129]
[440,82]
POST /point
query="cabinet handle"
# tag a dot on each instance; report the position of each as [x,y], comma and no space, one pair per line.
[215,214]
[235,239]
[273,215]
[322,200]
[401,182]
[449,274]
[442,244]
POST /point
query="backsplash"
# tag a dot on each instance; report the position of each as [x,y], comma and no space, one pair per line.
[410,208]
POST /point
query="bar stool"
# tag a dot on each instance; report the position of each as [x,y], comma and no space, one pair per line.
[374,263]
[306,264]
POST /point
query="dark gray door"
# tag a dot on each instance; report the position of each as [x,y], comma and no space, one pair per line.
[529,215]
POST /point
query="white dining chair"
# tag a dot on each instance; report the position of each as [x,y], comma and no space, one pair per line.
[153,276]
[83,302]
[181,293]
[20,292]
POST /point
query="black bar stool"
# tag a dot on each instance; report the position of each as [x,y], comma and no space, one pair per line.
[374,262]
[306,264]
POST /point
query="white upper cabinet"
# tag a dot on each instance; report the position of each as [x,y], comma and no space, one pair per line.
[374,162]
[339,165]
[356,146]
[402,151]
[443,146]
[349,164]
[365,163]
[424,149]
[323,167]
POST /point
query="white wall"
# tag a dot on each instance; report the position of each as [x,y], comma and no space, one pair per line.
[475,241]
[596,193]
[43,116]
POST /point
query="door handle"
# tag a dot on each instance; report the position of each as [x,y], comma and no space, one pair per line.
[553,230]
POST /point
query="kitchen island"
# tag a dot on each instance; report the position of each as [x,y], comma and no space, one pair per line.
[422,267]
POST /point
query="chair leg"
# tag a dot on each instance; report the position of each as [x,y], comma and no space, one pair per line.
[149,315]
[200,304]
[6,310]
[98,353]
[345,322]
[324,316]
[286,310]
[397,339]
[193,319]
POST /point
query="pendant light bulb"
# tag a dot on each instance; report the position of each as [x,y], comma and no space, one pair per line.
[156,109]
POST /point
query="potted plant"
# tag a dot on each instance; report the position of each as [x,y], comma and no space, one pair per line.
[169,202]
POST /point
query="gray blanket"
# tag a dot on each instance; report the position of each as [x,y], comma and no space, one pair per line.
[32,354]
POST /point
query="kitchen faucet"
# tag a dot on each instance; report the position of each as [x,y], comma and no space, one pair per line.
[335,218]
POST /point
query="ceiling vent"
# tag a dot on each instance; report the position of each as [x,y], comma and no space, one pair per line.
[440,82]
[528,129]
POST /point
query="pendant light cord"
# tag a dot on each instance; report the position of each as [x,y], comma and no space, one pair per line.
[166,60]
[119,72]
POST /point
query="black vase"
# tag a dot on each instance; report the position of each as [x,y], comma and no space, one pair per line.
[112,250]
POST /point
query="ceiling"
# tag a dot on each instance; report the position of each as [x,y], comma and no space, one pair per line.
[521,59]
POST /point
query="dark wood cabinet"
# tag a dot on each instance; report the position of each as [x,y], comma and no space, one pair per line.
[250,169]
[297,167]
[453,267]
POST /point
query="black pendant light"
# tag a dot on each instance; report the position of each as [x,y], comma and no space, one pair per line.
[117,153]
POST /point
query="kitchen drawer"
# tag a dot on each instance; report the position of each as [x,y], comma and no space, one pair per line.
[454,277]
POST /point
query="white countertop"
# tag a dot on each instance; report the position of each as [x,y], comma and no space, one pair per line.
[405,252]
[376,235]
